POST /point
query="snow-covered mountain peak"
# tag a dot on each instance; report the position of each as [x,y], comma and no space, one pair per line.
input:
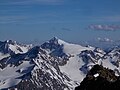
[35,68]
[36,51]
[99,50]
[10,47]
[54,40]
[56,45]
[51,44]
[10,42]
[59,41]
[54,65]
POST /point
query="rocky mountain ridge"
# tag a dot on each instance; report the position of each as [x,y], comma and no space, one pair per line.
[54,65]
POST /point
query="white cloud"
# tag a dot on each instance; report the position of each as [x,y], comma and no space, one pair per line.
[105,27]
[104,39]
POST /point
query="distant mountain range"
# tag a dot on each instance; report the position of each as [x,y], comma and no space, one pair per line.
[54,65]
[104,43]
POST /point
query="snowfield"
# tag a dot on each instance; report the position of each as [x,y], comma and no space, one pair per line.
[54,65]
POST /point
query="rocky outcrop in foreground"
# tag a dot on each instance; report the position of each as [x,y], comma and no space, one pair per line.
[100,78]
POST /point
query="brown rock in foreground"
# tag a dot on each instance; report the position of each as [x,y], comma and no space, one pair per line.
[100,78]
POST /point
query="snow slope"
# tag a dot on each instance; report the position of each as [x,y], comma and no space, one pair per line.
[3,55]
[72,48]
[10,76]
[54,65]
[72,69]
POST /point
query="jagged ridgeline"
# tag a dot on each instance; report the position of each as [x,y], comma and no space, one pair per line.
[100,78]
[54,65]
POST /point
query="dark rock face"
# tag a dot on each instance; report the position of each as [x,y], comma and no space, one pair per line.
[56,50]
[100,78]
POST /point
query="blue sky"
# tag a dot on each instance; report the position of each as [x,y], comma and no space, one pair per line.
[40,20]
